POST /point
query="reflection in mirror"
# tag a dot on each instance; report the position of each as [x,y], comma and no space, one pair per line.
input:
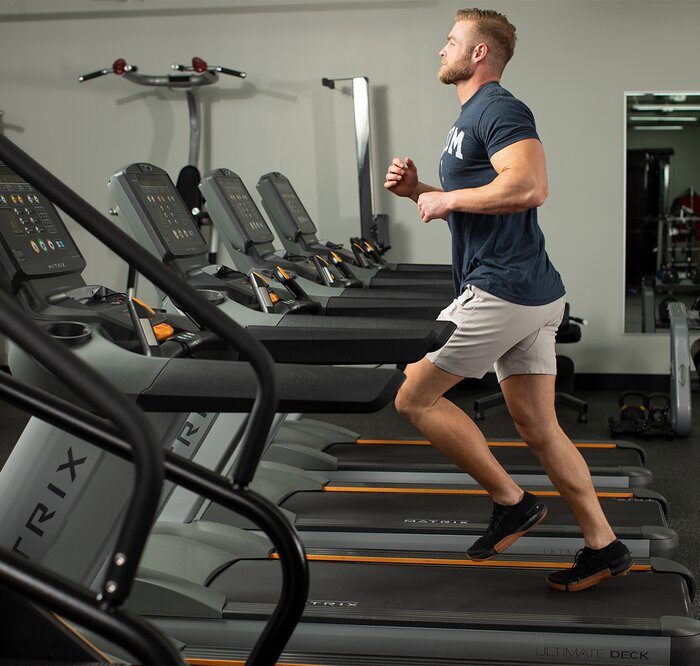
[662,238]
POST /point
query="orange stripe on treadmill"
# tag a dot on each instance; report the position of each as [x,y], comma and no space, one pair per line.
[455,491]
[425,442]
[521,564]
[194,661]
[82,638]
[417,442]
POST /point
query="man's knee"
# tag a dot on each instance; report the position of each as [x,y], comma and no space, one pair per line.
[406,402]
[423,387]
[537,433]
[413,399]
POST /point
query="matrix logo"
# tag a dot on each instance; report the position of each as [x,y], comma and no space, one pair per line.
[187,440]
[434,521]
[66,475]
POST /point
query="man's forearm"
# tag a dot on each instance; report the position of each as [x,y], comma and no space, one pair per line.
[421,188]
[502,195]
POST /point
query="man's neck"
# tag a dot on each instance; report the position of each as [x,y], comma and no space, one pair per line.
[467,89]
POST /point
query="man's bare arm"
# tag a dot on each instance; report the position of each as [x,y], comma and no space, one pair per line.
[521,184]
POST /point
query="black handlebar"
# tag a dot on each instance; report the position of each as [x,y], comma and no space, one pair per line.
[201,73]
[94,75]
[230,72]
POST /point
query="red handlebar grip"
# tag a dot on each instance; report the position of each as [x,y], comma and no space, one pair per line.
[199,65]
[119,66]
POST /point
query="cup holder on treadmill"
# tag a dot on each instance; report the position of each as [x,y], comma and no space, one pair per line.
[70,333]
[212,295]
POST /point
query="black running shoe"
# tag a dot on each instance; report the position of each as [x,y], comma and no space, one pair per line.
[591,567]
[508,523]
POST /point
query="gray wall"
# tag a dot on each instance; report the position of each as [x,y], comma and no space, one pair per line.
[574,61]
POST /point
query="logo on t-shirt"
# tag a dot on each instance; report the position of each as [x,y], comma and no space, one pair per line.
[453,145]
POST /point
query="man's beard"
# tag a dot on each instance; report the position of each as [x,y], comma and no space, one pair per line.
[461,71]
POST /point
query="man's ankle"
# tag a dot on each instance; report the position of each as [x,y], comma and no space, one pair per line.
[510,498]
[599,542]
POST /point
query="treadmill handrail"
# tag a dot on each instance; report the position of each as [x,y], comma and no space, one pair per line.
[138,517]
[78,604]
[207,315]
[262,414]
[194,477]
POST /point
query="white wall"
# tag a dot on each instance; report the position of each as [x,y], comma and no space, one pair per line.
[573,62]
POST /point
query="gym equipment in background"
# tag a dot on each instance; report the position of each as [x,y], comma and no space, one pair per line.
[645,415]
[666,415]
[375,228]
[250,244]
[166,229]
[297,232]
[189,78]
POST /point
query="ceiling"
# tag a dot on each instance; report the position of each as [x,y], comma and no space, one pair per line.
[661,111]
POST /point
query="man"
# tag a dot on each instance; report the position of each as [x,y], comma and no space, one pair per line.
[510,301]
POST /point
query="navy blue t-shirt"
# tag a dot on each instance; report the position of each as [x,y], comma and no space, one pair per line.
[502,254]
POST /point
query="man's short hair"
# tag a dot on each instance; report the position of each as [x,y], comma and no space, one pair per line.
[496,30]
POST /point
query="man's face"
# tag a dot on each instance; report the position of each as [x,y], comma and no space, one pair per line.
[456,54]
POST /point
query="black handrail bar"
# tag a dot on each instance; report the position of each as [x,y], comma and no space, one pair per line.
[194,477]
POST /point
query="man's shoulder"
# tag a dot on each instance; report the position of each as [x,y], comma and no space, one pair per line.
[497,94]
[500,104]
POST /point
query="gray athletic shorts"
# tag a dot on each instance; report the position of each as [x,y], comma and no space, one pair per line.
[515,339]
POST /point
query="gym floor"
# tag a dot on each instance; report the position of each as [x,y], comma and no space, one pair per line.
[675,464]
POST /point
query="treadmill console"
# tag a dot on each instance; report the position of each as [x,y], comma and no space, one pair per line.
[147,191]
[226,189]
[34,241]
[284,206]
[245,230]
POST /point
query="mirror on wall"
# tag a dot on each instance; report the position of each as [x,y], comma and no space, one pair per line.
[662,206]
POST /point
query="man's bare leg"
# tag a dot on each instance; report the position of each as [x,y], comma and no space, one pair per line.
[530,400]
[420,400]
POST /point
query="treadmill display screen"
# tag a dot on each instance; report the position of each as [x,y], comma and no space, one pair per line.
[168,214]
[32,235]
[296,209]
[246,211]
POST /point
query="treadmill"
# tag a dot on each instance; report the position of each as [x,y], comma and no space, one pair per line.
[303,285]
[297,232]
[250,243]
[362,607]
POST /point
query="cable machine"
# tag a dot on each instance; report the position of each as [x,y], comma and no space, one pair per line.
[373,227]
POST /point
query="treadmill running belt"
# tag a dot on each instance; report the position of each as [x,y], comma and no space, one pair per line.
[438,513]
[461,597]
[393,455]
